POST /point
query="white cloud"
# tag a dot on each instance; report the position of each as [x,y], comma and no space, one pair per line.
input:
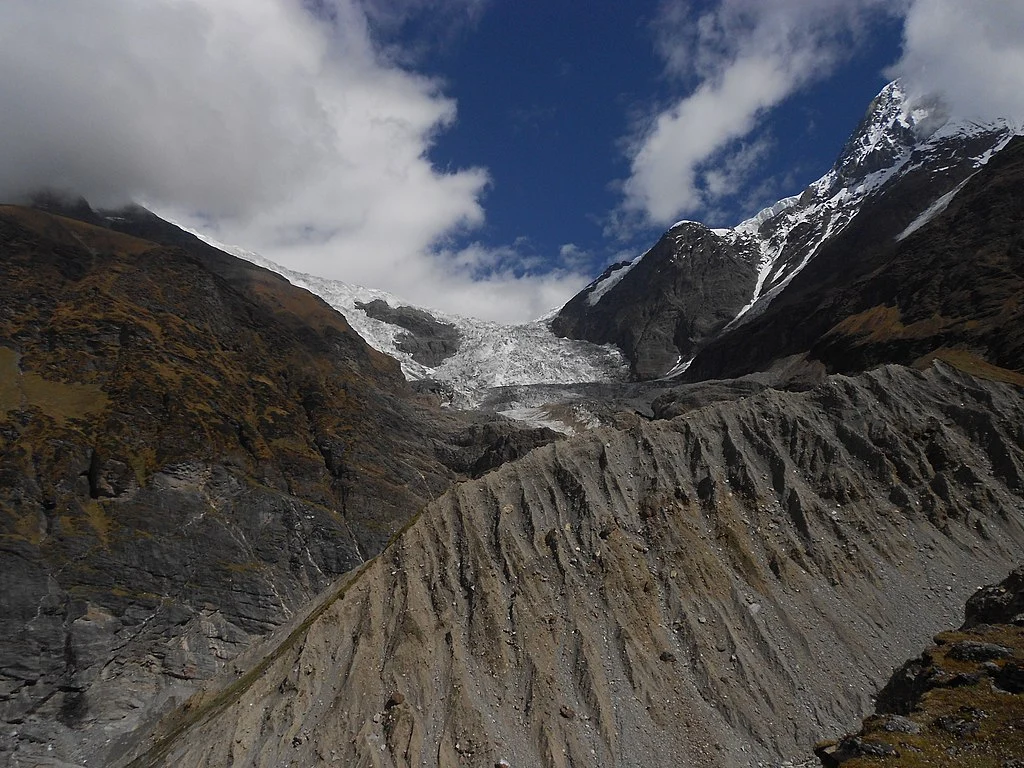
[282,131]
[486,282]
[746,56]
[572,256]
[971,53]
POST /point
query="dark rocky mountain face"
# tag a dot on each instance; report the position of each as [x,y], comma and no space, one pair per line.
[429,341]
[902,161]
[949,289]
[190,450]
[682,292]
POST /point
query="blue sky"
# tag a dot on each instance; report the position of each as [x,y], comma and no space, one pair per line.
[547,97]
[482,157]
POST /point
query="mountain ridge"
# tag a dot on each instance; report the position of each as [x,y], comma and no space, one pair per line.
[661,315]
[871,298]
[190,449]
[681,591]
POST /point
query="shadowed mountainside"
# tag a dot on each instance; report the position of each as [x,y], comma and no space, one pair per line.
[715,590]
[682,292]
[951,289]
[190,449]
[900,167]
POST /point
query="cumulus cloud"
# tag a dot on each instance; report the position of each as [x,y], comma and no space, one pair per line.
[489,282]
[972,54]
[280,125]
[745,58]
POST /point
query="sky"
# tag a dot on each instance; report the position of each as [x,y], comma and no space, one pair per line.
[483,157]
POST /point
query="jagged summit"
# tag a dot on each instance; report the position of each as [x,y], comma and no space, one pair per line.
[891,125]
[907,150]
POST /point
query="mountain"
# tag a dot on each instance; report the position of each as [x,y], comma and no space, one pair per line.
[900,168]
[234,533]
[715,590]
[461,359]
[191,448]
[948,289]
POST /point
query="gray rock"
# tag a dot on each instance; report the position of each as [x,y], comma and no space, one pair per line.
[969,650]
[429,341]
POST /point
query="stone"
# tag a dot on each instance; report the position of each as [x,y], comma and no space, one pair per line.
[968,650]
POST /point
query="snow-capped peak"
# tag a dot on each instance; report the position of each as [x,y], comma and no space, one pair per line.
[897,136]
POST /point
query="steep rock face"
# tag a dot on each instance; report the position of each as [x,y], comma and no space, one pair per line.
[679,593]
[961,703]
[899,168]
[683,291]
[428,341]
[190,449]
[949,288]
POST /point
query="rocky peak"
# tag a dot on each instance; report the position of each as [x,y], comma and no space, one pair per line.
[905,149]
[892,125]
[660,308]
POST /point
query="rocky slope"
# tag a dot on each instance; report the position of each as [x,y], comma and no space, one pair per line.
[190,450]
[714,590]
[899,169]
[961,703]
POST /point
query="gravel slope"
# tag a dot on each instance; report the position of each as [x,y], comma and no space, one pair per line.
[716,590]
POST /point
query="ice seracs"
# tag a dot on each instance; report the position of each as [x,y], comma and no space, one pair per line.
[489,354]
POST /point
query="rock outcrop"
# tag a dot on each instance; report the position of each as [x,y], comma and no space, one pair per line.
[961,703]
[427,340]
[681,293]
[681,592]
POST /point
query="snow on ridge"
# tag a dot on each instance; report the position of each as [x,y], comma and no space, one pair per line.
[931,211]
[752,225]
[940,205]
[602,287]
[836,198]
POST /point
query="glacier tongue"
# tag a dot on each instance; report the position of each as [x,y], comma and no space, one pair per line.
[489,354]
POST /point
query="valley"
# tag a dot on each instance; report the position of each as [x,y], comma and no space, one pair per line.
[696,516]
